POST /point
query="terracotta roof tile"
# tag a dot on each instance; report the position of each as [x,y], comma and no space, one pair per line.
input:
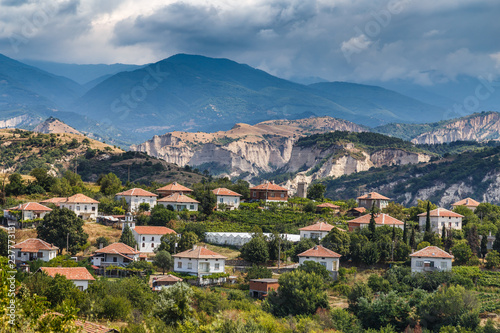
[373,195]
[226,192]
[359,209]
[153,230]
[175,187]
[137,192]
[53,200]
[432,252]
[319,251]
[80,198]
[379,219]
[71,273]
[320,226]
[177,197]
[327,205]
[441,212]
[466,202]
[167,278]
[199,252]
[32,206]
[34,245]
[269,186]
[87,326]
[118,248]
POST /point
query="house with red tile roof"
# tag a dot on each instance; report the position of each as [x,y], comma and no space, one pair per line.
[116,254]
[467,202]
[441,217]
[356,211]
[135,196]
[179,201]
[33,249]
[199,261]
[83,206]
[148,238]
[79,275]
[26,211]
[270,192]
[322,255]
[327,205]
[227,198]
[172,188]
[380,220]
[158,282]
[430,259]
[373,198]
[315,231]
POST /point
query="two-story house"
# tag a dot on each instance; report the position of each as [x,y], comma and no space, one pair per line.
[441,217]
[199,261]
[170,189]
[328,206]
[83,206]
[80,276]
[380,220]
[116,254]
[227,198]
[322,255]
[269,192]
[430,259]
[467,202]
[315,231]
[33,249]
[179,202]
[135,196]
[373,198]
[26,211]
[148,238]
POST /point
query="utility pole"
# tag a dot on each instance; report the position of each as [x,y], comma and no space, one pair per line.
[128,177]
[67,242]
[279,252]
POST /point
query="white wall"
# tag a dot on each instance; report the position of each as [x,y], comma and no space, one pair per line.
[332,264]
[231,201]
[134,201]
[316,234]
[47,255]
[84,284]
[85,210]
[196,265]
[192,207]
[437,223]
[417,264]
[147,243]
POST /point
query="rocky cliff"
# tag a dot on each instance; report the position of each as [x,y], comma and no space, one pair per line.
[477,127]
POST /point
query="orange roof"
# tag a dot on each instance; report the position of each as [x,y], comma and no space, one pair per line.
[53,200]
[199,252]
[87,326]
[71,273]
[320,226]
[118,248]
[359,209]
[178,197]
[432,252]
[269,186]
[319,251]
[226,192]
[175,187]
[80,198]
[167,278]
[327,205]
[34,245]
[441,212]
[32,206]
[153,230]
[379,219]
[373,195]
[466,202]
[137,192]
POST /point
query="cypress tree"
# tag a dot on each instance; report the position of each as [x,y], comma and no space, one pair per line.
[127,237]
[393,233]
[473,240]
[428,218]
[405,234]
[484,246]
[372,224]
[412,238]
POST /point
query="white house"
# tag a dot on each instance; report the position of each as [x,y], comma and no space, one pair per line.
[315,231]
[27,211]
[135,196]
[148,238]
[33,249]
[380,220]
[116,254]
[179,202]
[83,206]
[441,217]
[324,256]
[227,197]
[170,189]
[199,261]
[467,202]
[79,275]
[430,259]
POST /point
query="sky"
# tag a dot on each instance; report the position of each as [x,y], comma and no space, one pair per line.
[422,41]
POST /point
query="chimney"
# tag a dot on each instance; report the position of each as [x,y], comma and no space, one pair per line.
[316,247]
[194,247]
[101,245]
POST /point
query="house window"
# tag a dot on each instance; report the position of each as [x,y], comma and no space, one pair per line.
[221,200]
[85,208]
[179,264]
[456,224]
[191,207]
[190,265]
[77,207]
[93,209]
[419,264]
[143,238]
[235,200]
[282,195]
[40,254]
[115,259]
[152,239]
[143,245]
[254,194]
[19,254]
[217,267]
[80,288]
[444,265]
[272,194]
[323,263]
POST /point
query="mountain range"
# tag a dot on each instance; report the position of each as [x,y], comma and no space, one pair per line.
[126,104]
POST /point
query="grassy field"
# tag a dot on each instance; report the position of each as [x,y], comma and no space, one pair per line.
[230,253]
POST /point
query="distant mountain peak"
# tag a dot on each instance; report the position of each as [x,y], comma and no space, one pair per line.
[54,125]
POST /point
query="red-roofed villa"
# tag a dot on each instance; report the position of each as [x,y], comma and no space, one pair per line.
[441,217]
[135,196]
[315,231]
[148,238]
[227,198]
[467,202]
[269,191]
[33,249]
[199,261]
[373,198]
[429,259]
[179,201]
[324,256]
[79,275]
[116,254]
[380,220]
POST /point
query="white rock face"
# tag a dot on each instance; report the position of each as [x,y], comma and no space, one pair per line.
[13,122]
